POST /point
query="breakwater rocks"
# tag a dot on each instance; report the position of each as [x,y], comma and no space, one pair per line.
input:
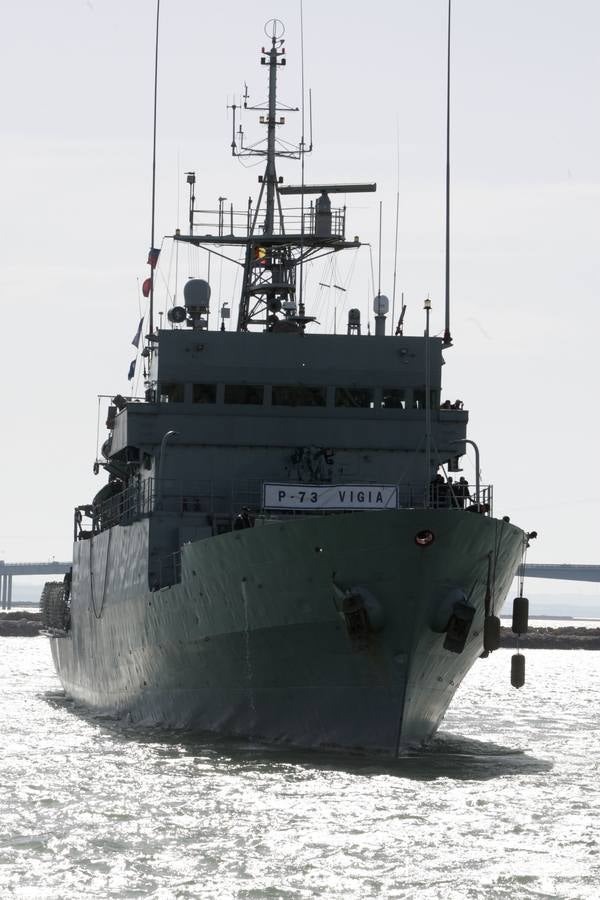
[568,637]
[20,624]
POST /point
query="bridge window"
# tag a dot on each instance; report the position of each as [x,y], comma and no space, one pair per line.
[204,393]
[244,393]
[171,393]
[394,398]
[419,399]
[352,396]
[298,395]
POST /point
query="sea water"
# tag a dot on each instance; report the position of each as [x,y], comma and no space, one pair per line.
[504,803]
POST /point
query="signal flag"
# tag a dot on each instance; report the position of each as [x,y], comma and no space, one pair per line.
[153,255]
[138,334]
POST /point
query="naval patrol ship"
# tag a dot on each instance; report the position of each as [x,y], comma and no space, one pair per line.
[279,552]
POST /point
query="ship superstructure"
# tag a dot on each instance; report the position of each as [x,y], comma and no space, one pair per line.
[276,552]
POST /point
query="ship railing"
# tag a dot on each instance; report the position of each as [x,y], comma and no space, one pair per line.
[167,571]
[122,508]
[312,223]
[228,498]
[409,497]
[461,495]
[296,220]
[221,501]
[206,497]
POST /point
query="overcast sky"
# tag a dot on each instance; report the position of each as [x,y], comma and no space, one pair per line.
[75,190]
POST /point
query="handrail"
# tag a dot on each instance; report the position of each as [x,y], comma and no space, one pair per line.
[168,571]
[224,499]
[296,220]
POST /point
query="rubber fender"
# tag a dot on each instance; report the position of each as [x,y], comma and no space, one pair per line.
[372,607]
[520,620]
[358,601]
[491,633]
[355,617]
[444,609]
[517,670]
[459,627]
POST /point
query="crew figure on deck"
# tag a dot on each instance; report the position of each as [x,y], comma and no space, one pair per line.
[243,520]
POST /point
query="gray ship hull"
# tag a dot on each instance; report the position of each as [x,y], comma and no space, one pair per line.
[252,641]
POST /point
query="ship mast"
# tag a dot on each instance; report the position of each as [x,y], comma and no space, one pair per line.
[276,58]
[269,283]
[276,242]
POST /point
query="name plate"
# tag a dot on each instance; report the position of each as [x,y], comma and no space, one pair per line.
[330,496]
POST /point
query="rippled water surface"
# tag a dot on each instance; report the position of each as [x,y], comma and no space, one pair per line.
[505,803]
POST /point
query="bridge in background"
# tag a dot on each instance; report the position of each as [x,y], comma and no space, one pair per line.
[560,571]
[7,570]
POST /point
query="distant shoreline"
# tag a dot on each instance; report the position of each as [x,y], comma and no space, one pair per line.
[556,618]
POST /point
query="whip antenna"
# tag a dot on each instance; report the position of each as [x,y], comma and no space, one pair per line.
[397,218]
[447,337]
[151,310]
[379,261]
[302,154]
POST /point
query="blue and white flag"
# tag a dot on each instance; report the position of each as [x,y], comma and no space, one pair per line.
[138,334]
[131,370]
[153,255]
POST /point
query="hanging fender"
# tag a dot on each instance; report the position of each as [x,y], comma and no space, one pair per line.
[361,611]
